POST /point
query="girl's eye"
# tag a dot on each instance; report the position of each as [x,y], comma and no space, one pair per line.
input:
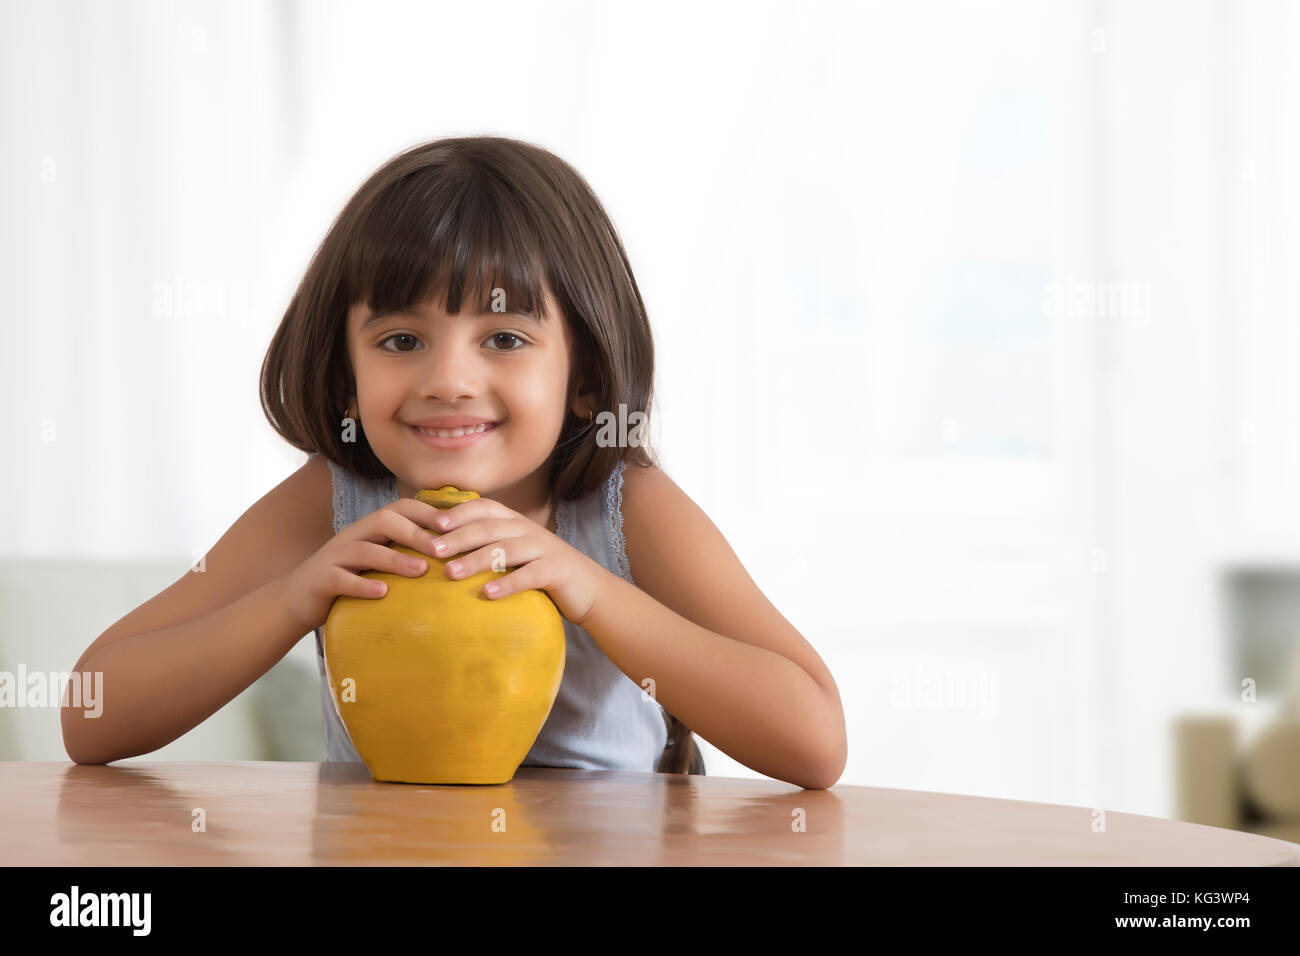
[399,335]
[499,335]
[507,335]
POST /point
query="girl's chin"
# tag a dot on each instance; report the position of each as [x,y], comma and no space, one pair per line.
[463,479]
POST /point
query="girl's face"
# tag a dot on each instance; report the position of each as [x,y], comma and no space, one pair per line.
[504,367]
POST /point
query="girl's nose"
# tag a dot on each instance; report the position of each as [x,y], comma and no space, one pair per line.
[451,372]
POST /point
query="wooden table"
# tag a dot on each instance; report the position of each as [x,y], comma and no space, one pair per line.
[278,814]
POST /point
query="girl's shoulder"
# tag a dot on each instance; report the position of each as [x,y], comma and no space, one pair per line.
[658,522]
[594,524]
[627,488]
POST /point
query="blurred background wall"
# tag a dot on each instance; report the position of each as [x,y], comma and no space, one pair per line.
[1007,290]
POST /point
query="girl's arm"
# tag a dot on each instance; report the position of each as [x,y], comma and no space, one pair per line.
[724,660]
[176,660]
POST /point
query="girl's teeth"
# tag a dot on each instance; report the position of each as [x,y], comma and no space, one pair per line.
[453,432]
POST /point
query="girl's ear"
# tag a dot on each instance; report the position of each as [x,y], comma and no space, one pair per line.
[587,402]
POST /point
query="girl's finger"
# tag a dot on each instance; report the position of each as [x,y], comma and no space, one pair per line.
[496,556]
[531,575]
[345,583]
[474,510]
[394,516]
[368,556]
[476,534]
[404,529]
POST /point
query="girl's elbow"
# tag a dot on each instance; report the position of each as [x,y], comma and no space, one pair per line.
[825,779]
[832,768]
[75,748]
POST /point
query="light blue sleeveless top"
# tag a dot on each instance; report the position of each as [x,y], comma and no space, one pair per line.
[601,719]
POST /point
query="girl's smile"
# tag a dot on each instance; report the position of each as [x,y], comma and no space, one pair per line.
[454,438]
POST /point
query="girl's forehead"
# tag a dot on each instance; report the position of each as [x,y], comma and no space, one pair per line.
[472,306]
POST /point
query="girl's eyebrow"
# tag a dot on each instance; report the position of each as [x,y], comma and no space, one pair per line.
[388,313]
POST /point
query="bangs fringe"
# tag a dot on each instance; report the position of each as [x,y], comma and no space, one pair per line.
[460,235]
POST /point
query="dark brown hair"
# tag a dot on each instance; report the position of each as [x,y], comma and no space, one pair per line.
[457,217]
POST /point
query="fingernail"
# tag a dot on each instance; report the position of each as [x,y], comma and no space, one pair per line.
[415,564]
[439,547]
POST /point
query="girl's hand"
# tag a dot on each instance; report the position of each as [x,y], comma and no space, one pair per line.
[491,537]
[310,589]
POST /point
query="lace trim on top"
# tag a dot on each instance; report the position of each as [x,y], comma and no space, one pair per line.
[345,497]
[342,507]
[614,528]
[346,492]
[563,526]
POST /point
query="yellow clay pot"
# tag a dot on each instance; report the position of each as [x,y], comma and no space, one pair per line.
[437,684]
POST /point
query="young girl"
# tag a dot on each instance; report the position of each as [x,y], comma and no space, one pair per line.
[471,319]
